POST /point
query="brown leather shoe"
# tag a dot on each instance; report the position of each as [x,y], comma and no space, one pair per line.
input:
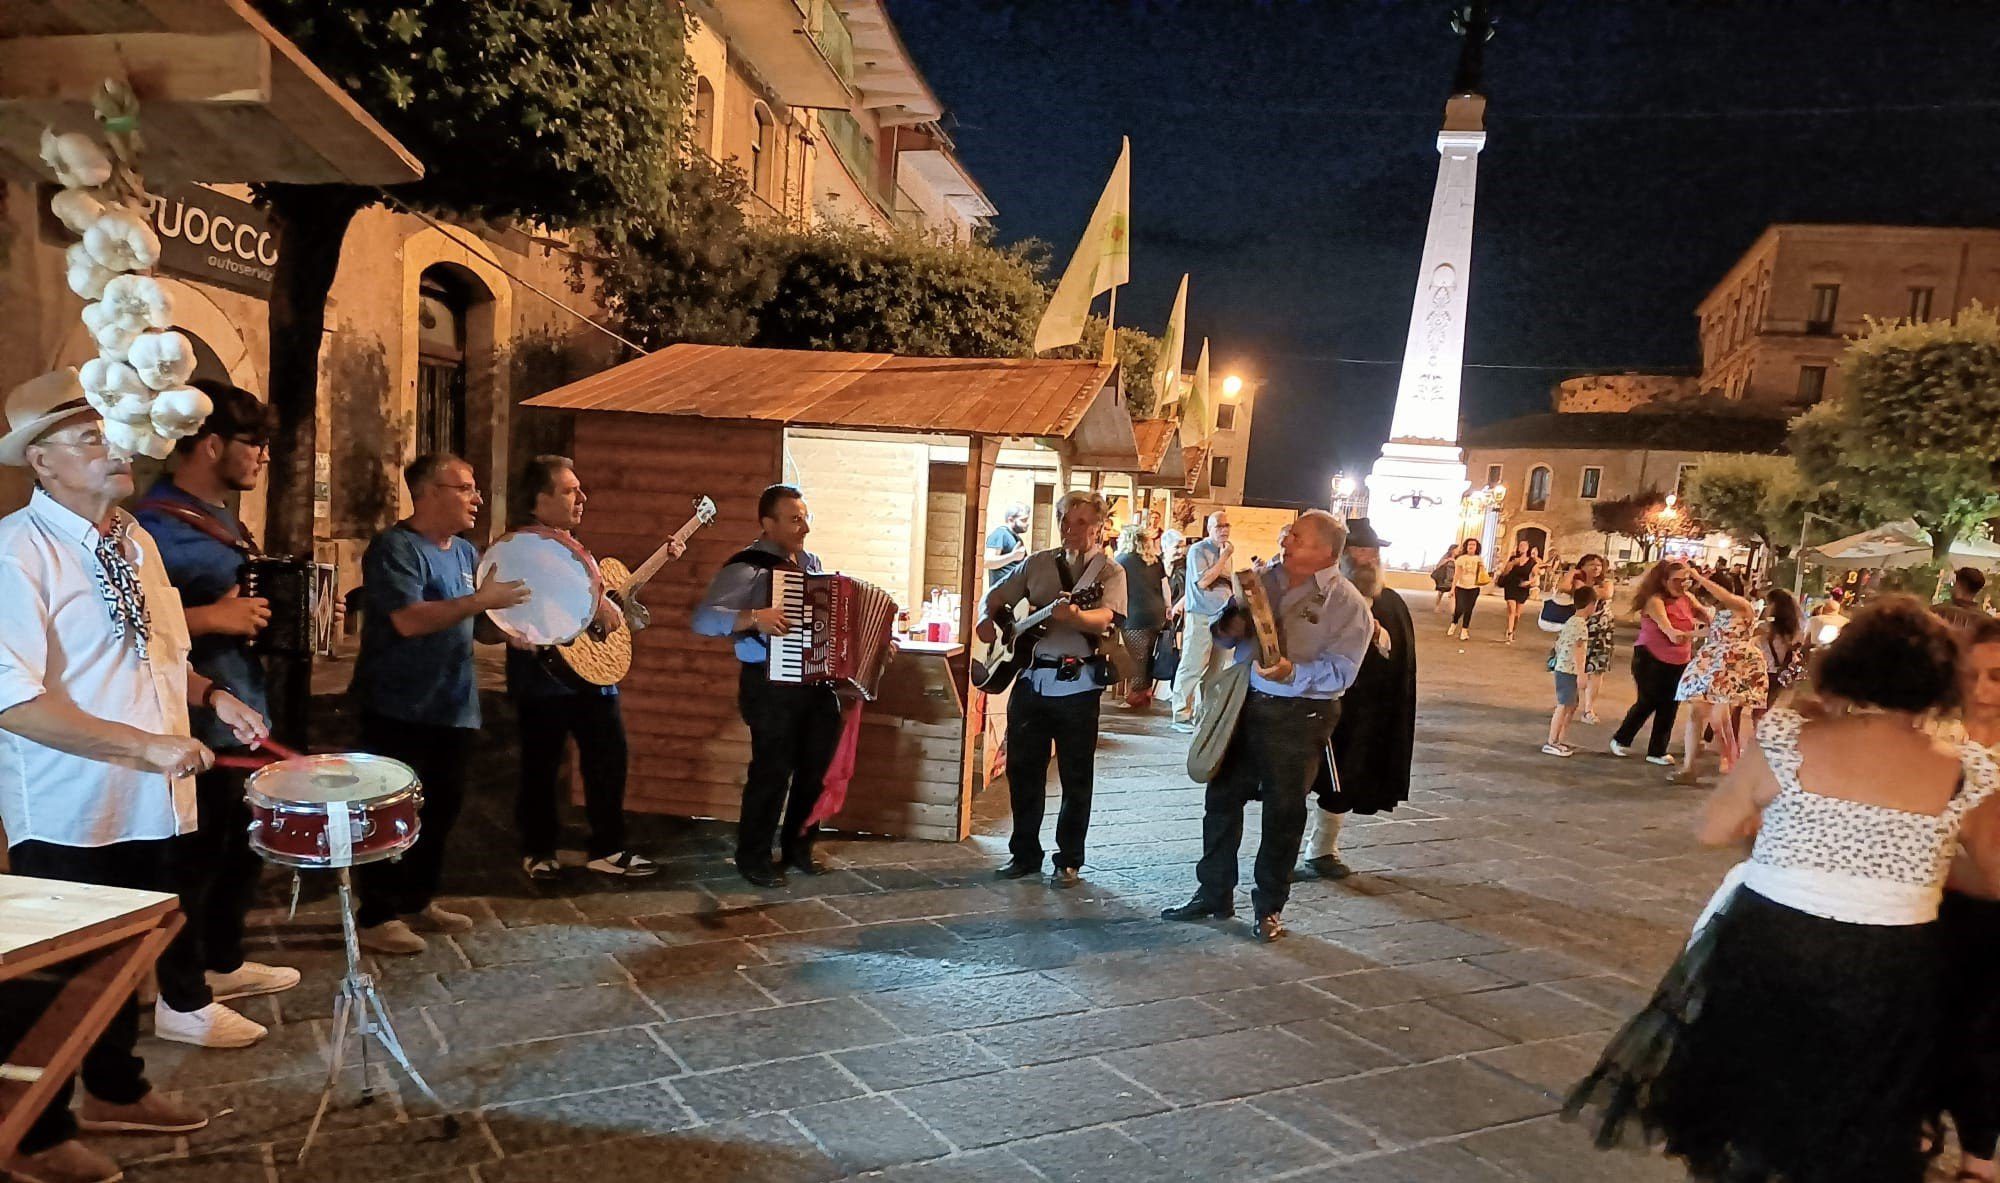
[1271,927]
[154,1113]
[65,1162]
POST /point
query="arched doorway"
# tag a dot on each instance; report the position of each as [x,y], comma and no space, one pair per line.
[443,305]
[1535,537]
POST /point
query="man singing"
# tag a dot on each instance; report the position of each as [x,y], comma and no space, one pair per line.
[794,728]
[1377,731]
[1209,563]
[414,684]
[96,759]
[204,545]
[1324,630]
[553,707]
[1055,701]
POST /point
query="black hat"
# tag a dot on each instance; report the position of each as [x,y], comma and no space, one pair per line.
[1360,533]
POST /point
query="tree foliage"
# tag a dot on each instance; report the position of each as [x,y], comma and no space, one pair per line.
[1927,388]
[1881,479]
[1138,353]
[1764,499]
[1642,517]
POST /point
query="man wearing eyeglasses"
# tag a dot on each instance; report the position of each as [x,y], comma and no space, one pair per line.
[204,546]
[414,683]
[97,762]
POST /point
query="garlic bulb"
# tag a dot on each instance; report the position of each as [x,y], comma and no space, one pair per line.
[163,360]
[86,277]
[178,412]
[115,390]
[155,445]
[113,338]
[76,209]
[76,159]
[138,303]
[122,241]
[126,437]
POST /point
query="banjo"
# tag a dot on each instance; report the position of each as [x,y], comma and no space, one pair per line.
[602,657]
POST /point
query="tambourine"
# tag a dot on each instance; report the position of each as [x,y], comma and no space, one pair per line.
[564,584]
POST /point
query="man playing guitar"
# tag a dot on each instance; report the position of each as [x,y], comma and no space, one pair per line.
[552,707]
[794,728]
[1055,701]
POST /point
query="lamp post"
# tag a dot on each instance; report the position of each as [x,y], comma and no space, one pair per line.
[1483,505]
[1799,566]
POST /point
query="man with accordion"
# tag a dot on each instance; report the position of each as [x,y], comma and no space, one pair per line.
[204,547]
[794,727]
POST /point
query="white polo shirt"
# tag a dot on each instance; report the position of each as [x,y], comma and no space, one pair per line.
[56,639]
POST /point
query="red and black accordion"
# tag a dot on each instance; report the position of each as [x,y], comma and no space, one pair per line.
[841,630]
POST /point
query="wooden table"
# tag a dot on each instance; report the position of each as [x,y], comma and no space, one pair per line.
[116,933]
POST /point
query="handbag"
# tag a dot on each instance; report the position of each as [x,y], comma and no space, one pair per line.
[1167,654]
[1222,695]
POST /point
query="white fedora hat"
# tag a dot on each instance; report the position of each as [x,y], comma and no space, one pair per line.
[35,407]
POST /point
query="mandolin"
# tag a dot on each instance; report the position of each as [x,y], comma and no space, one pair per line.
[1015,649]
[601,656]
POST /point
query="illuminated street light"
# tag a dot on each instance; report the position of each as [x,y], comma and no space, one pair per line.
[1231,386]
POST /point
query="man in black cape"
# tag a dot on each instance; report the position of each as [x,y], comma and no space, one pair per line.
[1370,750]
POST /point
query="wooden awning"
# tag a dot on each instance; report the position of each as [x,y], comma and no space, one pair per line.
[223,97]
[1074,402]
[1162,461]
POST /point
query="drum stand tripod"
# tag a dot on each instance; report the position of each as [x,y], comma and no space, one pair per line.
[360,1007]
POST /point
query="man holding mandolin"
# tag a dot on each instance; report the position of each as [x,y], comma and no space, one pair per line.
[555,705]
[1056,697]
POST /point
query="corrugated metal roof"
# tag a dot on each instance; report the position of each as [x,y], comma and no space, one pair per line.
[1017,397]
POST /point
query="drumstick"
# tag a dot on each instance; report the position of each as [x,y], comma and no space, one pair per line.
[277,749]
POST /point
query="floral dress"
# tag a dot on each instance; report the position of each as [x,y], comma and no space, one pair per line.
[1729,668]
[1599,641]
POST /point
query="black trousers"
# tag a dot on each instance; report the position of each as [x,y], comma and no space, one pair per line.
[1275,756]
[1463,601]
[112,1069]
[403,886]
[794,730]
[217,887]
[1656,681]
[1036,723]
[1971,1069]
[546,723]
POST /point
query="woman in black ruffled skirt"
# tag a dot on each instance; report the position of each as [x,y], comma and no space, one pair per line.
[1796,1038]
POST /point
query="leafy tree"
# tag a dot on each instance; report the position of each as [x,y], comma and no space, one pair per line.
[1883,479]
[564,112]
[1764,500]
[1138,352]
[1642,517]
[1929,388]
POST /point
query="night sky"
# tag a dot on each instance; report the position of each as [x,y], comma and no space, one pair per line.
[1284,154]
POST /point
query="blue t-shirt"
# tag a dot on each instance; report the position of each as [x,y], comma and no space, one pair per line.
[204,569]
[1003,539]
[425,679]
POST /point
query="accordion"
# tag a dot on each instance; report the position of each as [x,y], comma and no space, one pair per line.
[300,593]
[841,630]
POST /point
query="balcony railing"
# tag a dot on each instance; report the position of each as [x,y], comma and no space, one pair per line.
[828,29]
[856,151]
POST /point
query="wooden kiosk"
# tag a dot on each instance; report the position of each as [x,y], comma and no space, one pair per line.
[896,457]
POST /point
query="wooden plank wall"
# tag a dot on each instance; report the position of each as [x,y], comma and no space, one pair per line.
[944,525]
[642,474]
[867,499]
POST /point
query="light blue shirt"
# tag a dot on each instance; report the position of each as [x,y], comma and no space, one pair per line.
[736,588]
[1324,626]
[1207,602]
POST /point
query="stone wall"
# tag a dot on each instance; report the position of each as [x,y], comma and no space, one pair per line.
[1622,392]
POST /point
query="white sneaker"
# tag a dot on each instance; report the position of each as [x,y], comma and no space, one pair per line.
[1184,727]
[250,979]
[435,918]
[391,936]
[1619,749]
[214,1025]
[1662,761]
[1556,749]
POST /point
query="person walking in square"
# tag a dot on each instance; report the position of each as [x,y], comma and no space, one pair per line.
[1468,575]
[1324,631]
[1668,620]
[1568,662]
[1727,674]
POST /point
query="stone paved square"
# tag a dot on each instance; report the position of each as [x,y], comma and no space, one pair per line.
[908,1019]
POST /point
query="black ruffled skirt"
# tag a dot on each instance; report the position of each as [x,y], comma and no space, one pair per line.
[1781,1048]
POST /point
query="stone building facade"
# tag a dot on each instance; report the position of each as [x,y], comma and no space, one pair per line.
[1645,393]
[1773,329]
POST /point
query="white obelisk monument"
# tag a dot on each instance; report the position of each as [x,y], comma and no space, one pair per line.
[1416,488]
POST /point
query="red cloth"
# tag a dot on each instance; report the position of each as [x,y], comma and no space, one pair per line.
[833,789]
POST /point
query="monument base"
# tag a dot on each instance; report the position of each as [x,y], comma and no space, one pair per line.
[1416,494]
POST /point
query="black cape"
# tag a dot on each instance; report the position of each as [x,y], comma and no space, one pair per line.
[1378,721]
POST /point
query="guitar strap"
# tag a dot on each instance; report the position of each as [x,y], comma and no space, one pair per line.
[203,521]
[1069,581]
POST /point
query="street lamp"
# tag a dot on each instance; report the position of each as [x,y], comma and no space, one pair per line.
[1232,386]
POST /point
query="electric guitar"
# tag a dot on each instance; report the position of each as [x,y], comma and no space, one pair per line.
[1015,649]
[603,656]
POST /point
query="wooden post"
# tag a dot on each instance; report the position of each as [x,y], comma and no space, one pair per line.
[982,453]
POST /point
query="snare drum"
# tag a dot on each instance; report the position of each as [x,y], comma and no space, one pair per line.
[333,810]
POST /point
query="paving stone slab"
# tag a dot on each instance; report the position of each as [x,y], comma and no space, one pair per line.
[924,1060]
[1557,1152]
[582,1119]
[724,1041]
[1099,1155]
[766,1088]
[978,1166]
[1426,1164]
[694,996]
[404,1150]
[1027,1102]
[1437,1100]
[964,1005]
[869,1133]
[1069,1037]
[1527,1013]
[1227,1142]
[768,1149]
[1410,983]
[1419,1031]
[1235,1064]
[493,1022]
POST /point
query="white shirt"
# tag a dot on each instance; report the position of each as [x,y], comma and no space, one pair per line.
[56,639]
